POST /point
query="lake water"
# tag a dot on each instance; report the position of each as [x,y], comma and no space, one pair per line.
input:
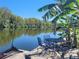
[22,39]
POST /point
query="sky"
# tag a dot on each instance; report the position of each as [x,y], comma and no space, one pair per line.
[25,8]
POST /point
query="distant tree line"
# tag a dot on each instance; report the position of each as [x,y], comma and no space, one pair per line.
[11,21]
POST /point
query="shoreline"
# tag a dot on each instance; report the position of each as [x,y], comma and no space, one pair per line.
[36,54]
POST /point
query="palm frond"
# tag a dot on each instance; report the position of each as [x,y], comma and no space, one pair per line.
[68,2]
[57,17]
[49,14]
[63,18]
[46,7]
[77,3]
[64,13]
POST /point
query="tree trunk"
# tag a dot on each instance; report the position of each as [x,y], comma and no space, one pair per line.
[68,32]
[54,28]
[75,38]
[68,38]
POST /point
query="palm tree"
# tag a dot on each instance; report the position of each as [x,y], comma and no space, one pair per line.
[56,10]
[59,10]
[70,23]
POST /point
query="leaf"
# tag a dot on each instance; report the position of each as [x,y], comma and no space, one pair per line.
[56,17]
[63,18]
[64,13]
[63,2]
[49,14]
[68,2]
[46,7]
[77,3]
[71,5]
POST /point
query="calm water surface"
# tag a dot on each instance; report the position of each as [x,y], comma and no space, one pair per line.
[22,39]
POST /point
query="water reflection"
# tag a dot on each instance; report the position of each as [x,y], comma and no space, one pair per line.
[21,38]
[24,39]
[7,36]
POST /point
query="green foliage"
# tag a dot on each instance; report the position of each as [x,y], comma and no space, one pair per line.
[67,11]
[11,21]
[46,7]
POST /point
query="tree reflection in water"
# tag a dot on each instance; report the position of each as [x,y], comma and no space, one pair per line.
[7,36]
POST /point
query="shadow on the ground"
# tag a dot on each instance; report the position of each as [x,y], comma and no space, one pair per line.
[27,57]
